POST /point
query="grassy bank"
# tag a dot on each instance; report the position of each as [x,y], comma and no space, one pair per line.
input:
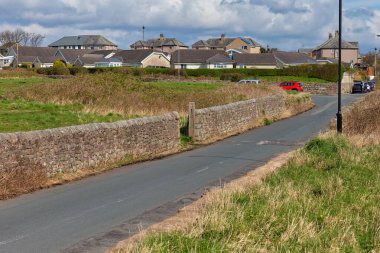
[324,200]
[116,93]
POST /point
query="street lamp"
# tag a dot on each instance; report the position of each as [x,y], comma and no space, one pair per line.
[375,62]
[339,118]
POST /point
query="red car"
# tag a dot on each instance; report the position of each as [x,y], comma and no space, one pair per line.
[297,86]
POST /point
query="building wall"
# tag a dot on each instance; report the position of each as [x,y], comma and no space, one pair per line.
[348,55]
[226,120]
[77,147]
[257,66]
[156,60]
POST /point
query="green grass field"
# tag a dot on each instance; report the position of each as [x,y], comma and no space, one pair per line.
[22,115]
[325,200]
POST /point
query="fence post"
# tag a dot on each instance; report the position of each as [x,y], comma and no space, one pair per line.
[191,118]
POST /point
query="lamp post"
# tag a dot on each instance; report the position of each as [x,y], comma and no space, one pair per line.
[339,117]
[375,62]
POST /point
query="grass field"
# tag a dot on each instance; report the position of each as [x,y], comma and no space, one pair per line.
[9,84]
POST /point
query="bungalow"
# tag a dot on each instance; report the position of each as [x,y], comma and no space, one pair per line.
[198,59]
[22,54]
[246,44]
[143,58]
[272,60]
[330,50]
[92,42]
[70,56]
[97,60]
[162,44]
[5,61]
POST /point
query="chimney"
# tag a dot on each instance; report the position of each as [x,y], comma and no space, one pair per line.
[336,33]
[330,35]
[162,36]
[223,36]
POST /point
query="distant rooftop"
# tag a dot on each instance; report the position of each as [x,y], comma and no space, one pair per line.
[83,40]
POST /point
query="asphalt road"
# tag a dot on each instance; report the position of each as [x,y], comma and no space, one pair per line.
[92,214]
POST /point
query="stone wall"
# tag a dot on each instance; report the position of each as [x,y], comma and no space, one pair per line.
[321,88]
[221,121]
[85,146]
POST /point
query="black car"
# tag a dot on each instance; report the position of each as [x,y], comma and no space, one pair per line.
[359,87]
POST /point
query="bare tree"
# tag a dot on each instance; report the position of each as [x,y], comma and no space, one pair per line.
[10,38]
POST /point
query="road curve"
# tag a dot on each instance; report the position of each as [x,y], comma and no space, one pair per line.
[92,214]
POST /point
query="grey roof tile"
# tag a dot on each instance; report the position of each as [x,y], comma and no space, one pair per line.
[83,40]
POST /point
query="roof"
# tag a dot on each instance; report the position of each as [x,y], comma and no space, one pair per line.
[105,52]
[199,56]
[222,42]
[333,42]
[294,58]
[83,40]
[256,59]
[70,55]
[29,54]
[46,59]
[133,56]
[305,50]
[160,42]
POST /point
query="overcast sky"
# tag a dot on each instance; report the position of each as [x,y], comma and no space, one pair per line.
[283,24]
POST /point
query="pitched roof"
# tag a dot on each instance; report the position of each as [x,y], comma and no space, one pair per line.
[46,59]
[199,56]
[28,54]
[133,56]
[256,59]
[294,58]
[82,40]
[71,55]
[222,42]
[157,43]
[333,42]
[105,52]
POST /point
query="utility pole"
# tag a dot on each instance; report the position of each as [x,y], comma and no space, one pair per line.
[375,61]
[143,31]
[339,118]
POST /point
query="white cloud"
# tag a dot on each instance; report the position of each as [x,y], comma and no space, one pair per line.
[286,24]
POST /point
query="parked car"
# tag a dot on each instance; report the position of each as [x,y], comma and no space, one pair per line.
[256,81]
[359,87]
[296,86]
[372,84]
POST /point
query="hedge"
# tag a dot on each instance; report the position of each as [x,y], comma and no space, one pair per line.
[328,72]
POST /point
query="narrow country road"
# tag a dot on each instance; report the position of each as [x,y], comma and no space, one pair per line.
[92,214]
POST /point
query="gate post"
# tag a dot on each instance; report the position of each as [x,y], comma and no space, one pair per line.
[191,119]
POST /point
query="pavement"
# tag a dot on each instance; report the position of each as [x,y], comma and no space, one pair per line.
[93,214]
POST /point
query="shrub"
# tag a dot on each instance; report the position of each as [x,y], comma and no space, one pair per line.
[76,70]
[59,71]
[59,64]
[233,77]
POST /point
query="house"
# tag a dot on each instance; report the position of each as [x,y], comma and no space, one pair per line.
[273,60]
[201,59]
[287,59]
[256,61]
[330,50]
[162,44]
[92,42]
[144,58]
[70,56]
[22,54]
[5,61]
[248,45]
[97,60]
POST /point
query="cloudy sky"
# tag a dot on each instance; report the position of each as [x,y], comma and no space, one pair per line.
[283,24]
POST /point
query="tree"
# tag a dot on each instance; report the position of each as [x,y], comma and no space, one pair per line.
[10,38]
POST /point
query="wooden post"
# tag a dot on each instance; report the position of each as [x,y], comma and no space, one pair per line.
[191,119]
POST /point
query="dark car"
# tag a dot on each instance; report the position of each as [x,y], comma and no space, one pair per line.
[372,85]
[359,87]
[296,86]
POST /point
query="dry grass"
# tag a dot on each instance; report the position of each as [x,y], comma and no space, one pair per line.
[116,93]
[18,73]
[24,179]
[362,120]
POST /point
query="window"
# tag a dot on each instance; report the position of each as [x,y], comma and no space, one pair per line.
[244,47]
[220,66]
[183,66]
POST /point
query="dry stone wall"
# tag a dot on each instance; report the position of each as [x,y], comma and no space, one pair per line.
[226,120]
[78,147]
[321,88]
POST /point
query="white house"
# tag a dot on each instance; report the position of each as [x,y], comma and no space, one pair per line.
[201,59]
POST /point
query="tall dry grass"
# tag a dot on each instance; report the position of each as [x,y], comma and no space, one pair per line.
[362,120]
[116,93]
[17,73]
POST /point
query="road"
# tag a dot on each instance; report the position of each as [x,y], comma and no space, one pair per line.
[92,214]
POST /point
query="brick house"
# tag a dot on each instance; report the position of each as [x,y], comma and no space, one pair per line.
[248,45]
[330,50]
[162,44]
